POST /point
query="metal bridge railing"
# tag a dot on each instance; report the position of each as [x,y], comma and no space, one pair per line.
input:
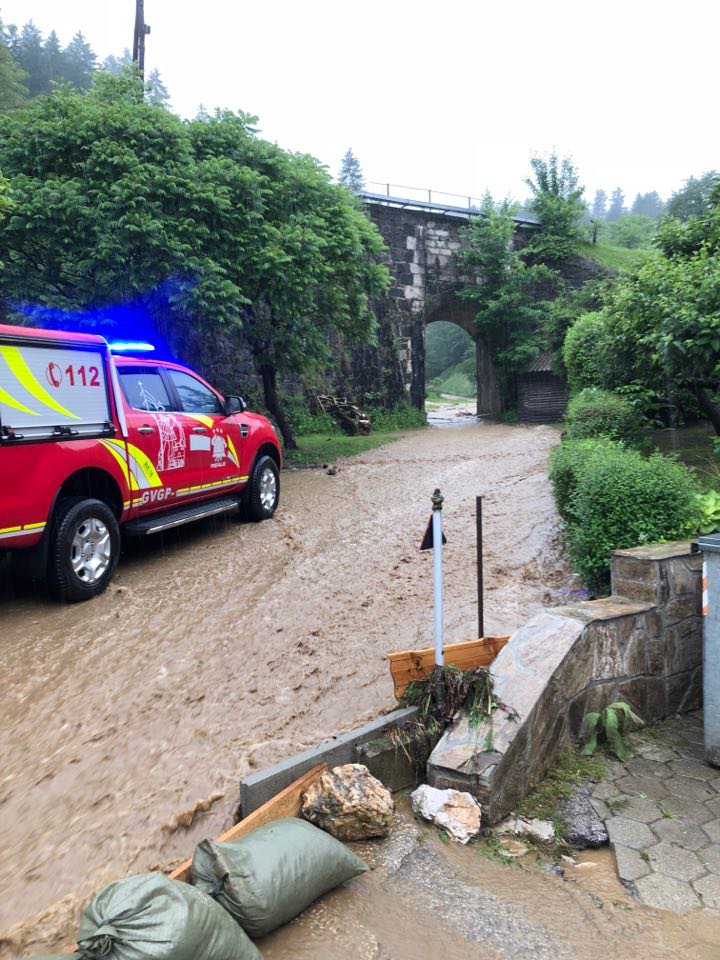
[434,197]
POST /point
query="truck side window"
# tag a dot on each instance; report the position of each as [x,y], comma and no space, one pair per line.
[144,389]
[194,395]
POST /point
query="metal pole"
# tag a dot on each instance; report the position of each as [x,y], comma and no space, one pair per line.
[139,38]
[480,591]
[437,502]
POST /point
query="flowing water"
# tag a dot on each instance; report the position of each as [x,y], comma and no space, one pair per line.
[219,648]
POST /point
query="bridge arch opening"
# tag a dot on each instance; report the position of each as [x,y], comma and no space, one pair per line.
[450,322]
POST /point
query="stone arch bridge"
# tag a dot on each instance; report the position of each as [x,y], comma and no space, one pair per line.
[423,238]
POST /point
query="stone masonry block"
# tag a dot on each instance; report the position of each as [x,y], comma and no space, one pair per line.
[672,861]
[643,590]
[666,893]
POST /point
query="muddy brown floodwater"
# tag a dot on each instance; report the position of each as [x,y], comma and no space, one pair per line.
[127,722]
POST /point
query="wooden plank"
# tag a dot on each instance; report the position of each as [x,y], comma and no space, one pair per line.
[409,665]
[287,803]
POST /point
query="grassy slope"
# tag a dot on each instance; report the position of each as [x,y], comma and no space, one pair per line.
[616,258]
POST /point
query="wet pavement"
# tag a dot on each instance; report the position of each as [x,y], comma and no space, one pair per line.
[662,812]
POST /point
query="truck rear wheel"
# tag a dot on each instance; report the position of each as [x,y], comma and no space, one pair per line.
[84,549]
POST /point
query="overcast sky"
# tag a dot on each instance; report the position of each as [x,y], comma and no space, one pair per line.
[445,95]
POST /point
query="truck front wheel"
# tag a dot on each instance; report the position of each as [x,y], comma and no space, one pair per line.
[84,548]
[263,490]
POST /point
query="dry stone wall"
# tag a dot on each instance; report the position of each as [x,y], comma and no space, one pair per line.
[643,645]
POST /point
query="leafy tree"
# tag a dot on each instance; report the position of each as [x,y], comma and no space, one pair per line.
[510,295]
[632,231]
[648,205]
[5,204]
[351,175]
[693,199]
[200,227]
[599,207]
[557,203]
[617,206]
[662,327]
[446,345]
[13,91]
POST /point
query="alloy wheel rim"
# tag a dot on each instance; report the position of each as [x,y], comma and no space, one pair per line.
[91,550]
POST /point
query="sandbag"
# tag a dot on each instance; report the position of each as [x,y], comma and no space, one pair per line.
[149,917]
[273,873]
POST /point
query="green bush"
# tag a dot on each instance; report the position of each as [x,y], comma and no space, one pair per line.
[584,352]
[304,422]
[401,417]
[623,500]
[598,413]
[567,461]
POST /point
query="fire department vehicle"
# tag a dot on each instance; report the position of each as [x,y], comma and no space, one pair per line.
[93,443]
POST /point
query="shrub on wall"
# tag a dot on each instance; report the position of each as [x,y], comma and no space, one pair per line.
[623,500]
[599,413]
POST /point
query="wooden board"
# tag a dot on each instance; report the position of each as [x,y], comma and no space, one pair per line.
[287,803]
[409,665]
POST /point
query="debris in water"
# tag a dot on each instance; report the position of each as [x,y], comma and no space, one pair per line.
[185,819]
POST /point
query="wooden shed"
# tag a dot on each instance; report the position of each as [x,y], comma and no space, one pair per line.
[542,394]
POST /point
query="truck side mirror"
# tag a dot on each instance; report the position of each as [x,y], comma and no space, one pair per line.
[234,405]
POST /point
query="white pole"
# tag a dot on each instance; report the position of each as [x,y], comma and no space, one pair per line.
[437,502]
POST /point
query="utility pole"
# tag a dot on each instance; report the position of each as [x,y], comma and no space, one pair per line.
[141,31]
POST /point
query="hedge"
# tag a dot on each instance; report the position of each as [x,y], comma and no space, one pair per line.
[599,413]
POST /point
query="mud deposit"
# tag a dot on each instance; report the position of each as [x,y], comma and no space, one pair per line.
[428,899]
[126,722]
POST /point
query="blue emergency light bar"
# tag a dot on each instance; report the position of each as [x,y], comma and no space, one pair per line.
[130,346]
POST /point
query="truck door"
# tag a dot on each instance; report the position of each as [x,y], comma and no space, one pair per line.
[158,439]
[215,439]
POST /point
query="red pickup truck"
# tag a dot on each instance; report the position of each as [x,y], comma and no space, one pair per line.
[93,443]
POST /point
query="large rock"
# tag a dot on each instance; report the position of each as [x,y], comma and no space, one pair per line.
[349,803]
[584,828]
[453,810]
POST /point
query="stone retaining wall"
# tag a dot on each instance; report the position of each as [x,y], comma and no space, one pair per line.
[643,645]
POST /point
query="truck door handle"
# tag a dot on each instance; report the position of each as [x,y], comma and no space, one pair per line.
[199,429]
[146,429]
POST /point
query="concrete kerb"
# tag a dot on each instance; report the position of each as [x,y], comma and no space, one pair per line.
[258,788]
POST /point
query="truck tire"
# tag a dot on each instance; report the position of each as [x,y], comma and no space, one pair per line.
[83,550]
[263,490]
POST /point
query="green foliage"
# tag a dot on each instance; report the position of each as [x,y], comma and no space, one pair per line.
[608,727]
[693,198]
[305,422]
[43,63]
[622,500]
[510,301]
[616,210]
[617,259]
[13,91]
[599,413]
[632,231]
[709,508]
[558,206]
[585,352]
[560,783]
[401,417]
[351,175]
[200,225]
[446,344]
[567,462]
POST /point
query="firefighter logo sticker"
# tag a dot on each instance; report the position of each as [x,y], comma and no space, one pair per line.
[219,449]
[53,374]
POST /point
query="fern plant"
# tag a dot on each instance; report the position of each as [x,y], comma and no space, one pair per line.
[608,728]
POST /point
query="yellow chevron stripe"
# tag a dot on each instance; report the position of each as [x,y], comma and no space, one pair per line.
[24,374]
[233,452]
[33,526]
[201,418]
[146,467]
[117,449]
[9,401]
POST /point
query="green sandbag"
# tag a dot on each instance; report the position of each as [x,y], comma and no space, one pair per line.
[152,918]
[270,875]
